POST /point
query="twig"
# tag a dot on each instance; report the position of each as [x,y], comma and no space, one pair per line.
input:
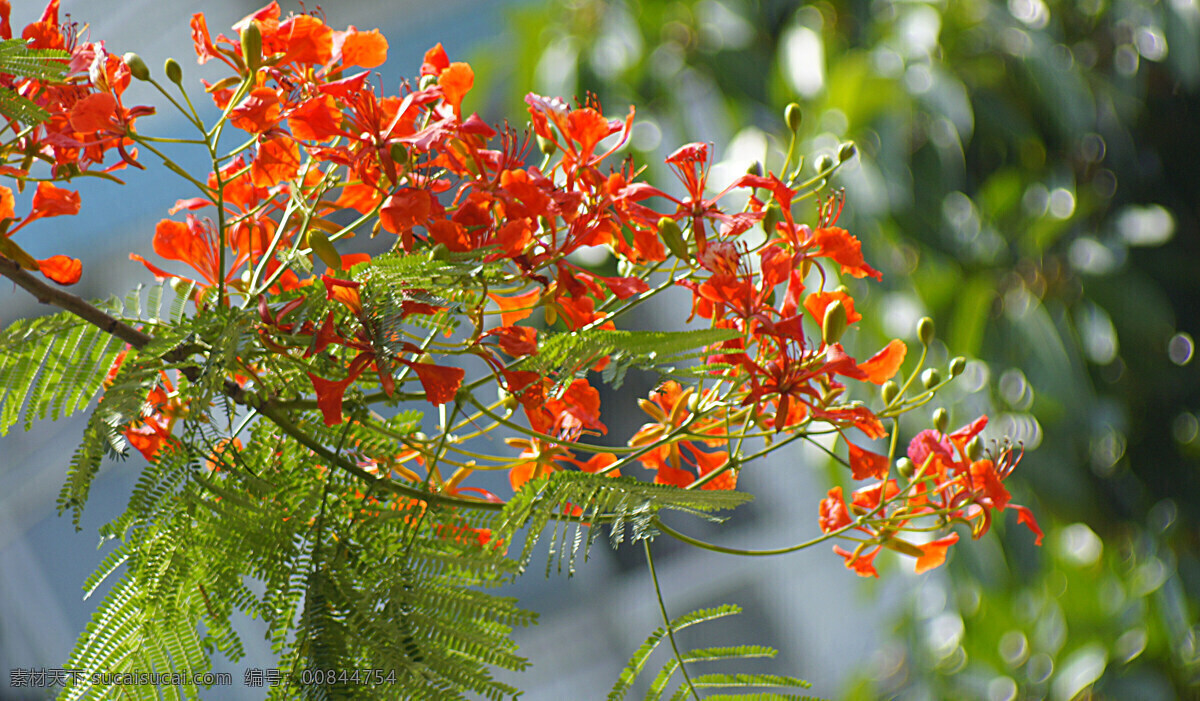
[75,304]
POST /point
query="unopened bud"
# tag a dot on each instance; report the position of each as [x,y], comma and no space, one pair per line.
[173,70]
[846,151]
[824,163]
[925,330]
[511,402]
[323,247]
[834,323]
[792,116]
[906,468]
[137,67]
[941,419]
[547,146]
[903,547]
[889,392]
[754,169]
[931,378]
[398,153]
[251,37]
[957,365]
[773,216]
[439,252]
[672,236]
[975,449]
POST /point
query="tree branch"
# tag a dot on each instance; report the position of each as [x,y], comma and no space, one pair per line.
[75,304]
[92,314]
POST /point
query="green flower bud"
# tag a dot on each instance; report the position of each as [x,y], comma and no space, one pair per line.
[925,330]
[793,116]
[931,378]
[941,419]
[439,252]
[846,151]
[251,37]
[174,71]
[323,247]
[824,163]
[137,67]
[906,468]
[772,217]
[834,324]
[903,547]
[672,236]
[754,169]
[975,449]
[547,146]
[420,437]
[398,153]
[889,392]
[957,366]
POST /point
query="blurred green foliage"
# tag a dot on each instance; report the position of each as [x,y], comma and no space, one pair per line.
[1028,175]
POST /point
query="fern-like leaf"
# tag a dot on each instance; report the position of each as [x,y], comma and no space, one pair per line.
[662,681]
[17,59]
[618,502]
[566,354]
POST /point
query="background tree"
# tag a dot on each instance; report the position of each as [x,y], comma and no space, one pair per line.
[1031,167]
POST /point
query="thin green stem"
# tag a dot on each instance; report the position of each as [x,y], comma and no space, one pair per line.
[190,116]
[662,607]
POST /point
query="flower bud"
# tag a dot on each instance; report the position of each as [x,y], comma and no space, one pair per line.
[323,247]
[889,392]
[251,37]
[420,437]
[174,71]
[547,146]
[941,420]
[846,151]
[792,116]
[398,153]
[925,330]
[772,217]
[754,169]
[931,378]
[137,67]
[906,468]
[903,547]
[975,449]
[824,163]
[834,323]
[957,365]
[511,402]
[439,252]
[672,236]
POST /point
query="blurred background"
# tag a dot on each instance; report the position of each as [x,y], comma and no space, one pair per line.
[1028,175]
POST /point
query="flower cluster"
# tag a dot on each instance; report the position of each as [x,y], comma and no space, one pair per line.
[947,479]
[83,119]
[327,151]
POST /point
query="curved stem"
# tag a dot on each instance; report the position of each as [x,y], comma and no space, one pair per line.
[662,607]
